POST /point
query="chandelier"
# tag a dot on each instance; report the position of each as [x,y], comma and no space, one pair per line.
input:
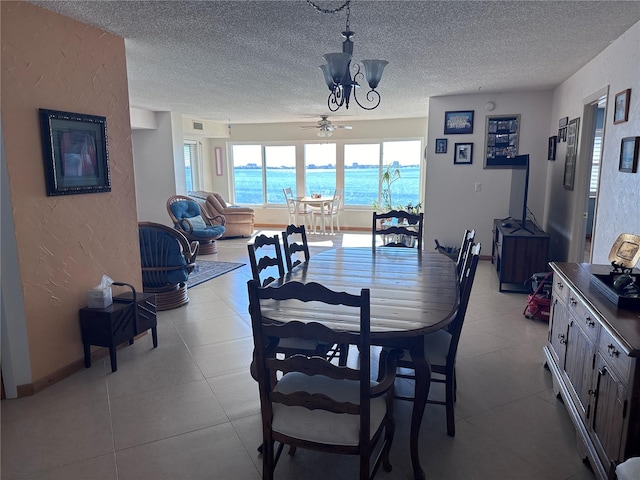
[337,71]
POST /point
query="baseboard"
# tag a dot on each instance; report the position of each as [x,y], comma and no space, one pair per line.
[29,389]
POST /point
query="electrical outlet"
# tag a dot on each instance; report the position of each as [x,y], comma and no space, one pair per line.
[478,187]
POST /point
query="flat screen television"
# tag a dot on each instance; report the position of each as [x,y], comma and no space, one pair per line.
[519,191]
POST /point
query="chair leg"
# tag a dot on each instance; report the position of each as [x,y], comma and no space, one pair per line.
[390,429]
[450,393]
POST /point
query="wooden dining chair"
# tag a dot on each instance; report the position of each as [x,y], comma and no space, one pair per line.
[399,224]
[441,346]
[265,257]
[308,402]
[294,242]
[467,239]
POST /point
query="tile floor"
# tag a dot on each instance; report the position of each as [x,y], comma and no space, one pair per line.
[190,410]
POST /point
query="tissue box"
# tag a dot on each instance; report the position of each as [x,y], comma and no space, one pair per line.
[99,297]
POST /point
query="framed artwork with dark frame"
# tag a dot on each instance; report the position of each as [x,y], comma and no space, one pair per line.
[621,106]
[463,153]
[458,122]
[571,154]
[629,148]
[74,147]
[551,148]
[441,145]
[502,139]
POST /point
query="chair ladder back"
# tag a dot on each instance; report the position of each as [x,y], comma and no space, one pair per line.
[408,220]
[292,248]
[268,366]
[261,260]
[468,275]
[467,239]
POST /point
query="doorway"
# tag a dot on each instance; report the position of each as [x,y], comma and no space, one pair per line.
[595,114]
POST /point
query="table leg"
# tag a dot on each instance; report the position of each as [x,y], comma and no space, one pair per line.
[154,336]
[422,383]
[322,213]
[87,355]
[112,357]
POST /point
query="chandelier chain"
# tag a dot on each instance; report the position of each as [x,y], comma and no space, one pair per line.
[318,8]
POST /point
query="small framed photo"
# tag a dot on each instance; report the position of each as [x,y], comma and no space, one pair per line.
[218,154]
[551,149]
[621,107]
[74,147]
[441,145]
[459,122]
[629,154]
[463,153]
[563,122]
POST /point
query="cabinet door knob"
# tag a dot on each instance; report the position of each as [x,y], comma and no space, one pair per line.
[562,338]
[592,393]
[589,321]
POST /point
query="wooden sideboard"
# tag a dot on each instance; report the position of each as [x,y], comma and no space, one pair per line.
[592,353]
[518,253]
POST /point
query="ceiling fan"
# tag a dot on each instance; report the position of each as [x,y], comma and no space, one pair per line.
[325,127]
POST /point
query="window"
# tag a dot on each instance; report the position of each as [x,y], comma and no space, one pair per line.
[190,160]
[247,174]
[405,156]
[361,174]
[280,162]
[260,173]
[595,164]
[320,168]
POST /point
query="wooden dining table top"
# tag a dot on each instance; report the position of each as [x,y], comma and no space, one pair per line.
[412,292]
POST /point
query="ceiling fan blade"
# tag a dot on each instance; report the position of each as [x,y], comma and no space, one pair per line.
[346,127]
[309,126]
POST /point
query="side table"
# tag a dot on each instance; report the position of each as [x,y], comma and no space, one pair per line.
[129,315]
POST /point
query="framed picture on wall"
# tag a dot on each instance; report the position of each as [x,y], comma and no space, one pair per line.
[441,145]
[74,147]
[571,154]
[502,139]
[621,106]
[463,153]
[629,154]
[218,159]
[551,148]
[458,122]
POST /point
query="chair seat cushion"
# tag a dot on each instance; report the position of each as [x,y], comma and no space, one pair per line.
[213,231]
[436,347]
[629,469]
[319,425]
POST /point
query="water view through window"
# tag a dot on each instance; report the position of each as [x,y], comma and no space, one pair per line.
[364,165]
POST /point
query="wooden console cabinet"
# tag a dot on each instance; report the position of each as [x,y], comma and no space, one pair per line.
[518,253]
[592,353]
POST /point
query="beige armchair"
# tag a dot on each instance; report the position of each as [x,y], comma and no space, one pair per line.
[239,220]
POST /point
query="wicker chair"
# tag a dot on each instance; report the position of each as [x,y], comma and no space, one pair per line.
[167,259]
[195,222]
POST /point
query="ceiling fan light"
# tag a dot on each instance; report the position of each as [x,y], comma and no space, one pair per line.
[373,71]
[338,64]
[324,132]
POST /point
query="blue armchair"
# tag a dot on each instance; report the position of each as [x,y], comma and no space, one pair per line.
[195,223]
[167,259]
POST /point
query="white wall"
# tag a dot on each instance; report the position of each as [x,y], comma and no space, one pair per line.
[451,203]
[618,211]
[153,153]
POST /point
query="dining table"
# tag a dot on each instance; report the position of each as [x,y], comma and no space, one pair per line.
[412,293]
[322,204]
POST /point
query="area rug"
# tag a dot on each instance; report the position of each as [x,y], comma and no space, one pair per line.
[206,270]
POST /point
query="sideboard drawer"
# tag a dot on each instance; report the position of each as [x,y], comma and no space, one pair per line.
[614,355]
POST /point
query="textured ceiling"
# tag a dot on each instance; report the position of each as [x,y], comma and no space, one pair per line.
[257,61]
